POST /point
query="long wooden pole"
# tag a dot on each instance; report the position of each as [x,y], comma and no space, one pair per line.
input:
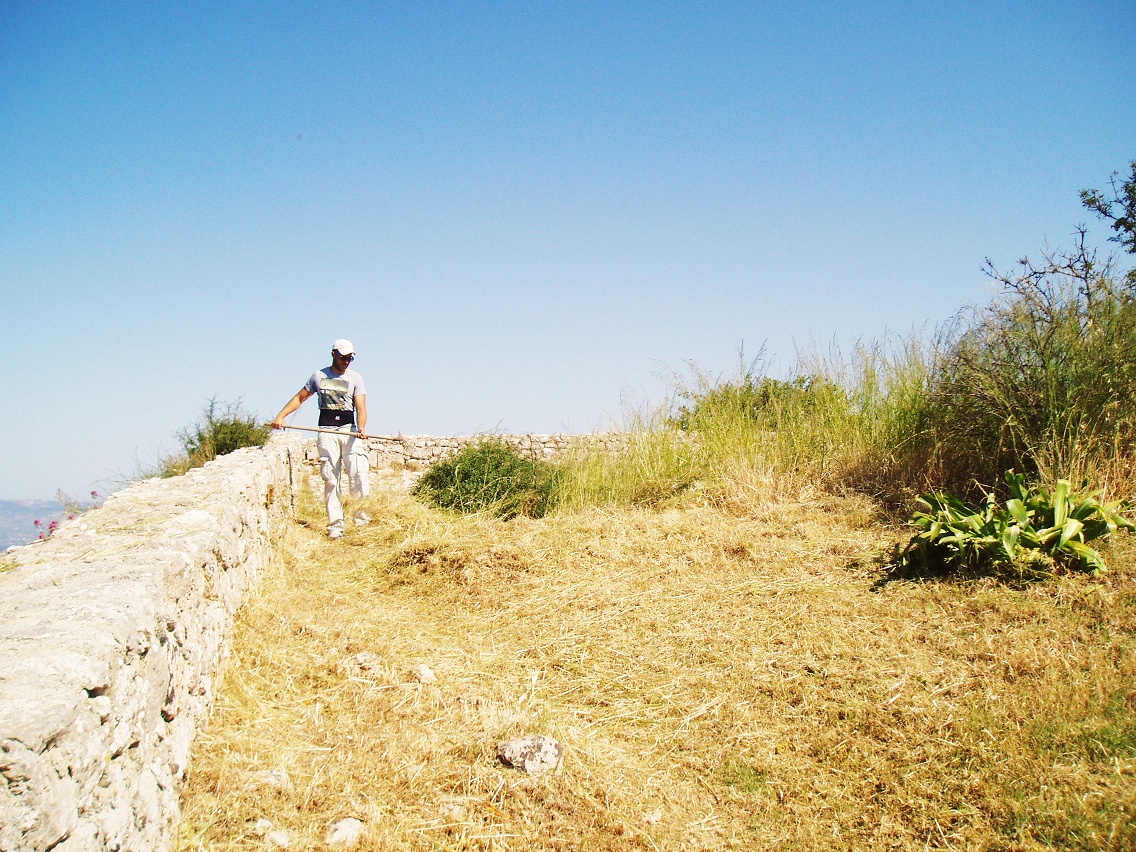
[328,431]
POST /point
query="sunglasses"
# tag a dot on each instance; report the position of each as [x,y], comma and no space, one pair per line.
[341,355]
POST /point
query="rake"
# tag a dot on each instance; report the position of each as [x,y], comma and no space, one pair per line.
[328,431]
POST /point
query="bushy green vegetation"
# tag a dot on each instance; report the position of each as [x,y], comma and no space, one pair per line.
[1042,381]
[759,401]
[490,476]
[222,428]
[658,462]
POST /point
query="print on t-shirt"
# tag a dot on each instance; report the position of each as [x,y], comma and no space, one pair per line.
[334,394]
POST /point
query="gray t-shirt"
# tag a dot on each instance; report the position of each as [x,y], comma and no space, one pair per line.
[336,393]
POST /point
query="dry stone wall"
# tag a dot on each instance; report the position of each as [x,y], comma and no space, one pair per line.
[112,636]
[421,451]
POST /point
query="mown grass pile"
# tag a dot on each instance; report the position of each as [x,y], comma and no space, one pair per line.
[491,476]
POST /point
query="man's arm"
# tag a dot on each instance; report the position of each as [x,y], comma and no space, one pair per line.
[293,404]
[361,414]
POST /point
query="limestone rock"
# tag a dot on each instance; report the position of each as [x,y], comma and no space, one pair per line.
[368,661]
[277,778]
[344,834]
[534,754]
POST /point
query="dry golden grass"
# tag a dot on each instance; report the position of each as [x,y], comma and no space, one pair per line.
[722,676]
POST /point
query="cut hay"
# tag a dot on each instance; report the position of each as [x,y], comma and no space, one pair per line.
[718,679]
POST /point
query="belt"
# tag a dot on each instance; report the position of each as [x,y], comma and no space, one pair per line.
[331,417]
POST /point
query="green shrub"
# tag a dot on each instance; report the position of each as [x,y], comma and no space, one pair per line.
[1043,380]
[490,476]
[223,427]
[1032,530]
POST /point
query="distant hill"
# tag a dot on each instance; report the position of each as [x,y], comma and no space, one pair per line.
[17,519]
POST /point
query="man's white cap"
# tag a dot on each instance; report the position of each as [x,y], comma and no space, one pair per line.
[343,347]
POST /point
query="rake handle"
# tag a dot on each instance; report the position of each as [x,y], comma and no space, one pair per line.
[328,431]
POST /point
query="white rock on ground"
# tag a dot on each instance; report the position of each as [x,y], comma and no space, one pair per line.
[534,754]
[281,838]
[344,834]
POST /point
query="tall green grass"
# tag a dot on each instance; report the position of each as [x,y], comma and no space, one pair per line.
[856,421]
[656,464]
[1042,381]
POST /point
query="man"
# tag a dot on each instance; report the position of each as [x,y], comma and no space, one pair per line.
[343,408]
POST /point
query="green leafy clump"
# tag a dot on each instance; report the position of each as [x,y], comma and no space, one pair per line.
[491,476]
[1034,529]
[223,427]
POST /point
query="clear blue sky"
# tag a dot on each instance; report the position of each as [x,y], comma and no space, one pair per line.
[519,212]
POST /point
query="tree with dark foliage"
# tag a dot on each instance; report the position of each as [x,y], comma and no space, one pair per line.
[1120,210]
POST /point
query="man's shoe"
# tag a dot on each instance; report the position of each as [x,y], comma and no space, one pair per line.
[362,519]
[334,534]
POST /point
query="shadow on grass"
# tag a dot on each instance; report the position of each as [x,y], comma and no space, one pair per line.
[1014,576]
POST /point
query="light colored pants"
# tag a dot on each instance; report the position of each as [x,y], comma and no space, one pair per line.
[334,452]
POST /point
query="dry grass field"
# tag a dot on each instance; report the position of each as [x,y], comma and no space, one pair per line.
[722,676]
